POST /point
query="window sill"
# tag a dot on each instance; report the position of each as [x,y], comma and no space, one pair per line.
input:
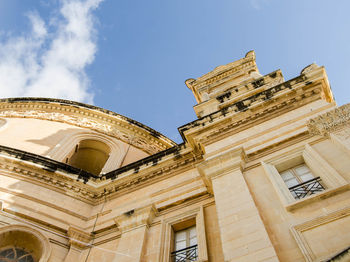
[313,198]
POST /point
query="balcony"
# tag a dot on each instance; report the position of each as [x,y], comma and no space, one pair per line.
[185,255]
[307,188]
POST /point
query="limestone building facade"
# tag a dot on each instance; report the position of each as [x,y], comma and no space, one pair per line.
[262,175]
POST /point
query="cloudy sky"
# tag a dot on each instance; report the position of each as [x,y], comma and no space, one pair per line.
[133,56]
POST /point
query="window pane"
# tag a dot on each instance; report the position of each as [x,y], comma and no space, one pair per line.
[180,245]
[306,177]
[193,241]
[193,231]
[286,175]
[180,236]
[300,170]
[20,252]
[291,182]
[8,253]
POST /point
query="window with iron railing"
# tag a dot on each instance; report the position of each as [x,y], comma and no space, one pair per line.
[186,248]
[301,182]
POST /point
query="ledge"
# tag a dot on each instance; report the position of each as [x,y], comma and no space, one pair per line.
[322,195]
[47,163]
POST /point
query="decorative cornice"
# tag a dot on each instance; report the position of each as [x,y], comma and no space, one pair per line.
[223,71]
[87,116]
[94,190]
[62,183]
[330,121]
[294,93]
[220,74]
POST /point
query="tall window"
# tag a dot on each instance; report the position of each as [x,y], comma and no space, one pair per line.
[89,155]
[301,182]
[185,245]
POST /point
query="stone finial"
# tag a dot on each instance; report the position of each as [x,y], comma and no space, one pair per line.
[309,68]
[250,53]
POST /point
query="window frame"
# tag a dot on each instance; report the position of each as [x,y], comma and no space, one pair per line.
[187,239]
[171,224]
[331,179]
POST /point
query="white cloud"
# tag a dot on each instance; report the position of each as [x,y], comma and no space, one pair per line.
[50,60]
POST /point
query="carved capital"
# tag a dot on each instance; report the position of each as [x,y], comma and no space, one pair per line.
[78,238]
[221,164]
[135,218]
[331,121]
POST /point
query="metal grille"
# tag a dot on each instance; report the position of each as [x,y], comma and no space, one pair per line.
[15,255]
[185,255]
[307,188]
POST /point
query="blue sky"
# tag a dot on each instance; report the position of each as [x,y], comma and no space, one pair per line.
[132,57]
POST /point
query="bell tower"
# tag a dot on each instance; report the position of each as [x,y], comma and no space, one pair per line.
[230,83]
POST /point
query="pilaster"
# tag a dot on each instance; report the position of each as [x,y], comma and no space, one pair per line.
[134,226]
[78,240]
[243,234]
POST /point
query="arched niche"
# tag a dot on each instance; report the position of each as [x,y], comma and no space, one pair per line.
[67,146]
[90,155]
[26,240]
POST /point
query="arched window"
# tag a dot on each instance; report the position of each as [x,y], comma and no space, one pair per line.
[14,254]
[89,155]
[19,243]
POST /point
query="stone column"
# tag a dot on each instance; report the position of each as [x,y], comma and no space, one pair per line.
[134,226]
[78,240]
[243,234]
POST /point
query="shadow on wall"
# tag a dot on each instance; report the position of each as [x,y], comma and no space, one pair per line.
[52,140]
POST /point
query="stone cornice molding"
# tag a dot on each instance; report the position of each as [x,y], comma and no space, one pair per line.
[221,164]
[94,190]
[78,238]
[135,218]
[269,103]
[63,183]
[240,67]
[86,116]
[223,71]
[330,121]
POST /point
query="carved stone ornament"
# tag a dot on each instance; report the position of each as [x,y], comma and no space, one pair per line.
[109,123]
[331,121]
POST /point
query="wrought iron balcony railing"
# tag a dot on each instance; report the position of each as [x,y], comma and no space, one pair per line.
[307,188]
[185,255]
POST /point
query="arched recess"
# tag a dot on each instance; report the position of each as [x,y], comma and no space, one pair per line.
[90,155]
[66,148]
[26,239]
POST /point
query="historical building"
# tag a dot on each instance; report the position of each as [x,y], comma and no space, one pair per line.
[262,175]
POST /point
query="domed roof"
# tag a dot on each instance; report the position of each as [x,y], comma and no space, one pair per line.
[87,116]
